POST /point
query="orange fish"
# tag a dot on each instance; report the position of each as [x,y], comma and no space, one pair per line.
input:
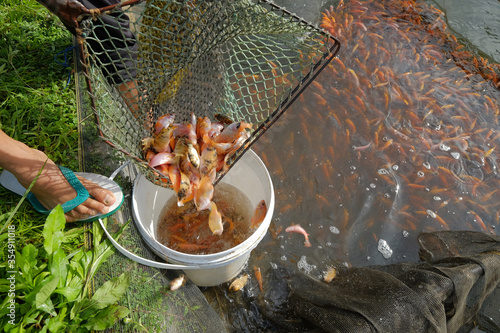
[208,159]
[258,276]
[203,127]
[204,192]
[175,177]
[259,214]
[178,282]
[162,139]
[185,192]
[162,158]
[330,274]
[164,122]
[232,132]
[239,283]
[298,229]
[215,220]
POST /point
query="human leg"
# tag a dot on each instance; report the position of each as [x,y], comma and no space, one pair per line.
[51,187]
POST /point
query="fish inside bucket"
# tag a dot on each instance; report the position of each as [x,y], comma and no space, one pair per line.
[185,229]
[251,178]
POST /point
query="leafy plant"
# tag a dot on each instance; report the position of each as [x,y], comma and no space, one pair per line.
[52,286]
[35,107]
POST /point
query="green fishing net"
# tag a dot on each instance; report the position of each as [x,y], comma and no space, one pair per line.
[245,60]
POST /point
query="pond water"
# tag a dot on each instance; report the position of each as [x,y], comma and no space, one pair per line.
[398,135]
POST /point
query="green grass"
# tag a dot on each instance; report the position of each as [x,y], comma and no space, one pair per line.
[35,106]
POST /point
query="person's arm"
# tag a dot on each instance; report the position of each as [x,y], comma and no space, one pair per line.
[68,11]
[121,70]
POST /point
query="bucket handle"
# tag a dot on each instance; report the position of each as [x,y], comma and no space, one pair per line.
[136,258]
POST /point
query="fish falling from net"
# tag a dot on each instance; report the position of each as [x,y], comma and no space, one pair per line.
[190,155]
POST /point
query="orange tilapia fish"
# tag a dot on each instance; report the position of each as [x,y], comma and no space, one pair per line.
[330,274]
[203,127]
[259,214]
[162,158]
[258,276]
[164,122]
[298,229]
[215,220]
[161,142]
[175,177]
[238,283]
[204,192]
[208,159]
[185,192]
[190,154]
[178,282]
[232,132]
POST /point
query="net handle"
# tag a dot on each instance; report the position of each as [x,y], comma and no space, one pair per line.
[105,10]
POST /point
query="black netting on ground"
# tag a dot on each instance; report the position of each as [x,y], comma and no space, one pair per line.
[445,294]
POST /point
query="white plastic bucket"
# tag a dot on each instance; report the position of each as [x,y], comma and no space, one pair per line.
[250,176]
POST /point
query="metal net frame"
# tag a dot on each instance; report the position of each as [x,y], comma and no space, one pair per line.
[242,59]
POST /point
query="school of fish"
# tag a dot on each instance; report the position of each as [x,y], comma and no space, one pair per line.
[398,135]
[190,154]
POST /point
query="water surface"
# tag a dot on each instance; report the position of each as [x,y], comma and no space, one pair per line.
[398,136]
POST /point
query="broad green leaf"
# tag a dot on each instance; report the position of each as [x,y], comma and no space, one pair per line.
[59,266]
[97,232]
[55,221]
[52,231]
[72,234]
[24,266]
[53,242]
[74,281]
[40,277]
[109,293]
[57,323]
[74,253]
[86,261]
[70,292]
[75,310]
[29,254]
[47,307]
[38,270]
[75,265]
[107,317]
[31,297]
[46,289]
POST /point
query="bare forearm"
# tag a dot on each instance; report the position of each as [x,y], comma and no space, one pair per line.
[68,11]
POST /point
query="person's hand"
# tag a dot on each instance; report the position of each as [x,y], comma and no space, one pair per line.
[68,11]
